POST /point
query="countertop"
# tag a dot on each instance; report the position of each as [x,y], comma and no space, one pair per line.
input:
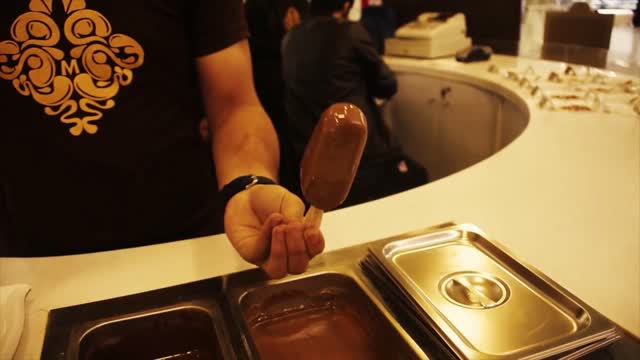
[564,197]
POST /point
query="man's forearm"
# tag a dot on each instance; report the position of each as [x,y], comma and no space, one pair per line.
[245,143]
[243,139]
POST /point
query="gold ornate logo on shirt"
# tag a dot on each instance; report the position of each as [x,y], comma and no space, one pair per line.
[77,86]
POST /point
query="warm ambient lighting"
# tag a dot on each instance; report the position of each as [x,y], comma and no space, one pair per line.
[615,12]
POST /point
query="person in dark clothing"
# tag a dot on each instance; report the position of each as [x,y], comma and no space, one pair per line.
[343,65]
[269,21]
[379,20]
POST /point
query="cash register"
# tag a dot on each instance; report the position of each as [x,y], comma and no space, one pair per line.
[431,35]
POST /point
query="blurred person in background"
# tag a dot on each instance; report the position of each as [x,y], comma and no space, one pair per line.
[329,59]
[269,21]
[379,20]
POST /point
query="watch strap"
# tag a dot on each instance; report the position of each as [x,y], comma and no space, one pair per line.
[240,184]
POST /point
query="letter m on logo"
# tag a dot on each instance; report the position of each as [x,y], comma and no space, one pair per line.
[70,68]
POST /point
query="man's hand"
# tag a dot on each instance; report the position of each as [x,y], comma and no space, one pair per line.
[265,225]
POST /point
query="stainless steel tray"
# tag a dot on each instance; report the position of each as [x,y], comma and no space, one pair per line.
[257,304]
[183,322]
[483,302]
[393,286]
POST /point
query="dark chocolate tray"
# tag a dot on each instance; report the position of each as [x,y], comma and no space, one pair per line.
[177,323]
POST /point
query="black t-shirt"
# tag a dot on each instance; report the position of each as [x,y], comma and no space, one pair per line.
[99,104]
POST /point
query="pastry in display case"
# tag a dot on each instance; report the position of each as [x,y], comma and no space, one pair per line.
[576,89]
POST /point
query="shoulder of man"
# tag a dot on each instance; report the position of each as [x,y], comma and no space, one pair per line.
[357,31]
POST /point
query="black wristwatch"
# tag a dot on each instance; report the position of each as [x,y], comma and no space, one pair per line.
[240,184]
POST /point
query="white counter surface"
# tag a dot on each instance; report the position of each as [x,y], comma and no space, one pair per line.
[564,197]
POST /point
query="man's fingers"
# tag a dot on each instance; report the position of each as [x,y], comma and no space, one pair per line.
[267,228]
[292,207]
[264,239]
[276,264]
[298,259]
[314,241]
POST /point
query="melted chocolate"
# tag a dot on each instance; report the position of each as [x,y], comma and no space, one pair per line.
[175,335]
[325,323]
